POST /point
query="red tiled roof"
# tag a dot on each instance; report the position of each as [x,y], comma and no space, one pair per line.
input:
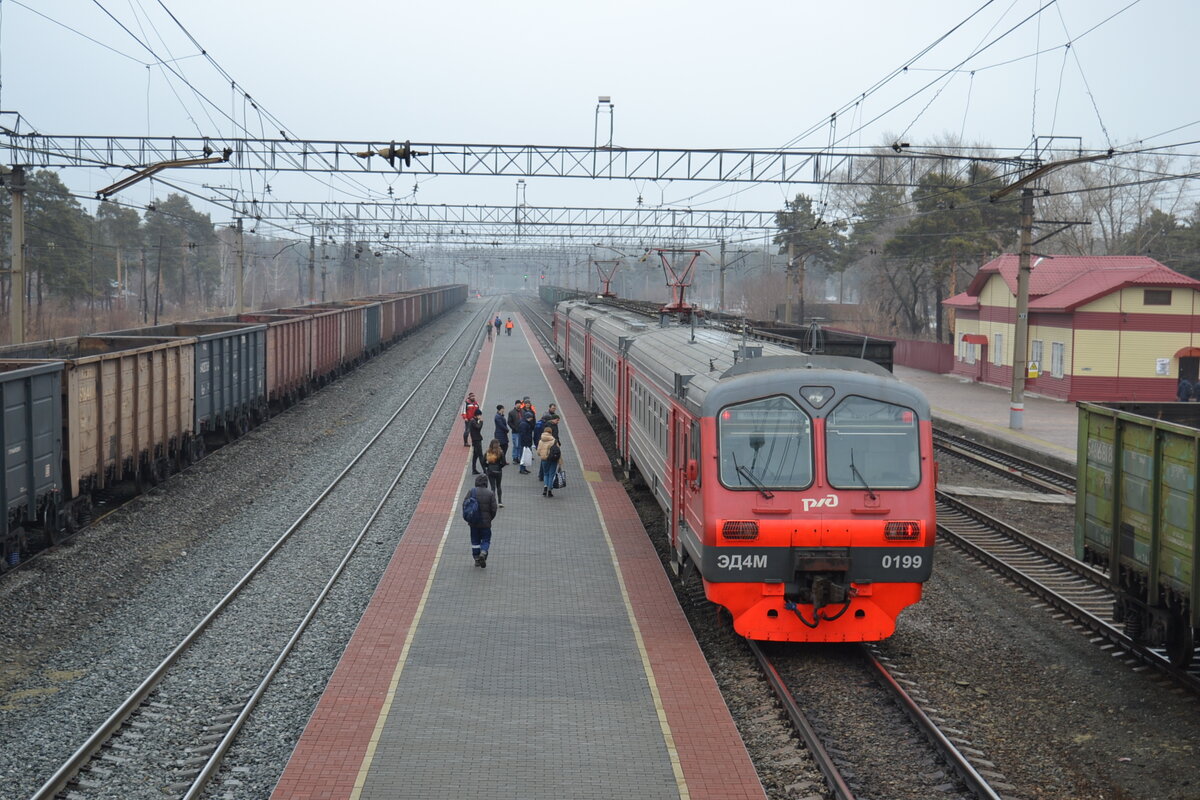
[1062,283]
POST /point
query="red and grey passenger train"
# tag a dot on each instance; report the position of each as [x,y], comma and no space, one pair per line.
[801,487]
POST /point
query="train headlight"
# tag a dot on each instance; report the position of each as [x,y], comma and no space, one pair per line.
[740,530]
[902,531]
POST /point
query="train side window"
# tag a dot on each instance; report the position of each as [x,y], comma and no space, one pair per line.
[765,443]
[872,444]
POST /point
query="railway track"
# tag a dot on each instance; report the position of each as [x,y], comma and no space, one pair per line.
[835,752]
[1076,590]
[1011,466]
[162,728]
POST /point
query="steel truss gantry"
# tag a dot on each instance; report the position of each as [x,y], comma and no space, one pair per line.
[416,220]
[830,166]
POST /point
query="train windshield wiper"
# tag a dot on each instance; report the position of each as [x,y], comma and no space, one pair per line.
[859,475]
[749,475]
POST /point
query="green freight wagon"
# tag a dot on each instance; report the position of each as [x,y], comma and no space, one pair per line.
[1136,515]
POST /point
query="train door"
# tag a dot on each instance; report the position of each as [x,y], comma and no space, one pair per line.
[679,458]
[588,363]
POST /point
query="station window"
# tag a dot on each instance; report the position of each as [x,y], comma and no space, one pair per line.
[998,349]
[1036,352]
[1056,359]
[1156,297]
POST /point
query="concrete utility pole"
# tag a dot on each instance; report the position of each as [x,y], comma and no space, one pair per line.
[721,295]
[1020,359]
[16,186]
[787,283]
[240,304]
[312,269]
[1016,413]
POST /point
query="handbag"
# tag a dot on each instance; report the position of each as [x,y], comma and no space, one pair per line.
[526,458]
[560,478]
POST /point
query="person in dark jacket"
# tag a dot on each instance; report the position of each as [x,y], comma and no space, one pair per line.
[1185,391]
[496,462]
[501,432]
[476,429]
[481,535]
[514,429]
[526,436]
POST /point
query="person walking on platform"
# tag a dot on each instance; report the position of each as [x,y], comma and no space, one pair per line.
[487,330]
[501,432]
[508,326]
[526,430]
[476,427]
[496,462]
[470,406]
[481,526]
[498,323]
[549,452]
[514,429]
[1186,390]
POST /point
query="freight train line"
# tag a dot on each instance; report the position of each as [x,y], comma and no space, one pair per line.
[1079,591]
[809,730]
[226,718]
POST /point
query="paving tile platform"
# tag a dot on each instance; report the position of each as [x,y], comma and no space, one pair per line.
[565,669]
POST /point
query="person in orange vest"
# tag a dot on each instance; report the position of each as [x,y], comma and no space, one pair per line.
[508,327]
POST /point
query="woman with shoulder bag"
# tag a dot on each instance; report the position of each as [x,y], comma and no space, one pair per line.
[550,454]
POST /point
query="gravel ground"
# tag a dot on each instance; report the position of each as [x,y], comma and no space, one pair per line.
[1049,713]
[90,619]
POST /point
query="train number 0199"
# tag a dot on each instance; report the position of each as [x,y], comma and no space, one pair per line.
[909,561]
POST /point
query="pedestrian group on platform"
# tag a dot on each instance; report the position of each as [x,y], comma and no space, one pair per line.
[530,437]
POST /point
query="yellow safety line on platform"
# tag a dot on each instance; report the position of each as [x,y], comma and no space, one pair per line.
[361,779]
[664,725]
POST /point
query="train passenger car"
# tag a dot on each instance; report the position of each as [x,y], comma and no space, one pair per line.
[800,487]
[1136,516]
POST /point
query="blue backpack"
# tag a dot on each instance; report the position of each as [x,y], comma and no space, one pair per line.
[470,510]
[537,430]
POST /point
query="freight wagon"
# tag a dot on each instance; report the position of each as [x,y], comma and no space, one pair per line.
[230,363]
[126,412]
[84,414]
[31,441]
[1136,515]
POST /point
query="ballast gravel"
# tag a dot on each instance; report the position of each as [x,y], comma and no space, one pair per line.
[89,620]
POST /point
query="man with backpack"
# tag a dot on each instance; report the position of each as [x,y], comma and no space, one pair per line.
[479,509]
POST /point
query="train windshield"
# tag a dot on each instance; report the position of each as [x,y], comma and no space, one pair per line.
[765,444]
[871,445]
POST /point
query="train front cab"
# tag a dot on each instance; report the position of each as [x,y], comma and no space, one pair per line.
[808,519]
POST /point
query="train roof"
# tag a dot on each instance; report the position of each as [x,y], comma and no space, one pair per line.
[710,367]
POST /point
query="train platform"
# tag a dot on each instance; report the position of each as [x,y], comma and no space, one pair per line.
[565,668]
[1048,433]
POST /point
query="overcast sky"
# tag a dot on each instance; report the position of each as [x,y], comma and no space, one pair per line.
[680,74]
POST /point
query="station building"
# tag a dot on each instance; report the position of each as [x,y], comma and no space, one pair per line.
[1101,328]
